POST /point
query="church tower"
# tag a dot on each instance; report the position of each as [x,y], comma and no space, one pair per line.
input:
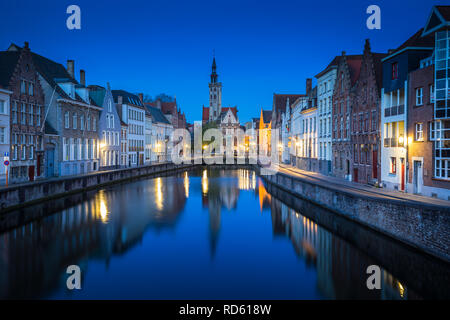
[215,94]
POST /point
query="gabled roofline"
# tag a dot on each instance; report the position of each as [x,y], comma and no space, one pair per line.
[444,22]
[405,49]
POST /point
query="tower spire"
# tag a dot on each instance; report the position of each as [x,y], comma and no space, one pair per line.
[213,72]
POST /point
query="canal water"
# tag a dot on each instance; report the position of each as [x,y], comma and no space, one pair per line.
[202,234]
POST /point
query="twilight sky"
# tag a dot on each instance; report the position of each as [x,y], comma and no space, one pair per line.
[153,47]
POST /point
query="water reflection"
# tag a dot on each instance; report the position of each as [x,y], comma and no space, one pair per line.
[126,226]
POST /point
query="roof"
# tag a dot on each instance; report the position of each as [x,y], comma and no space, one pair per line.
[280,100]
[354,66]
[233,110]
[127,97]
[48,129]
[444,11]
[53,72]
[333,64]
[267,116]
[156,114]
[8,62]
[415,41]
[169,107]
[205,114]
[97,95]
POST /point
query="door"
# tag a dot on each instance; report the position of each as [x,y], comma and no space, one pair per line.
[375,164]
[355,174]
[417,176]
[50,157]
[402,176]
[31,173]
[38,165]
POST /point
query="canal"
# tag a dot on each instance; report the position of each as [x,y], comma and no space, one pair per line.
[203,234]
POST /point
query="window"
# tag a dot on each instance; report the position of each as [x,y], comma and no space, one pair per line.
[2,135]
[94,124]
[66,120]
[107,121]
[14,112]
[31,152]
[82,122]
[24,115]
[38,115]
[23,87]
[374,120]
[88,124]
[394,71]
[30,89]
[2,107]
[419,96]
[112,121]
[24,152]
[31,115]
[435,132]
[419,132]
[109,106]
[393,167]
[74,117]
[432,93]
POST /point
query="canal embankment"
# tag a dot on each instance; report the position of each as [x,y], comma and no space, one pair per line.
[17,196]
[420,224]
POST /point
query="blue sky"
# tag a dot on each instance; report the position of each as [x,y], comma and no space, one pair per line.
[261,47]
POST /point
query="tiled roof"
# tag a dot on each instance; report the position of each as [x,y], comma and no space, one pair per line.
[333,63]
[354,65]
[233,110]
[8,62]
[205,114]
[156,114]
[279,100]
[127,98]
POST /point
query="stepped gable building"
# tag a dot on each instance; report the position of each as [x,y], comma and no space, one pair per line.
[343,98]
[70,116]
[22,132]
[366,118]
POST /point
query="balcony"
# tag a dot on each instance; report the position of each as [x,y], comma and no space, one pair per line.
[395,110]
[393,142]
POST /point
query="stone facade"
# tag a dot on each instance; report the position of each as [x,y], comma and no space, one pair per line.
[365,132]
[343,98]
[27,114]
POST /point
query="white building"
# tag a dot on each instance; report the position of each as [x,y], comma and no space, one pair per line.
[161,131]
[325,86]
[4,130]
[132,112]
[149,138]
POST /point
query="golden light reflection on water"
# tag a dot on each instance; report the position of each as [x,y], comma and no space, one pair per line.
[186,184]
[101,210]
[158,194]
[246,181]
[205,182]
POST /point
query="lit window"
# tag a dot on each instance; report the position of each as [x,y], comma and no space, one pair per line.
[419,131]
[393,166]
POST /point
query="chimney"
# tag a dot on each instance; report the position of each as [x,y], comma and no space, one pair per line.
[83,77]
[71,68]
[343,53]
[26,45]
[141,97]
[119,100]
[308,85]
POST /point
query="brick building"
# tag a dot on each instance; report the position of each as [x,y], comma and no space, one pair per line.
[19,75]
[366,118]
[343,97]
